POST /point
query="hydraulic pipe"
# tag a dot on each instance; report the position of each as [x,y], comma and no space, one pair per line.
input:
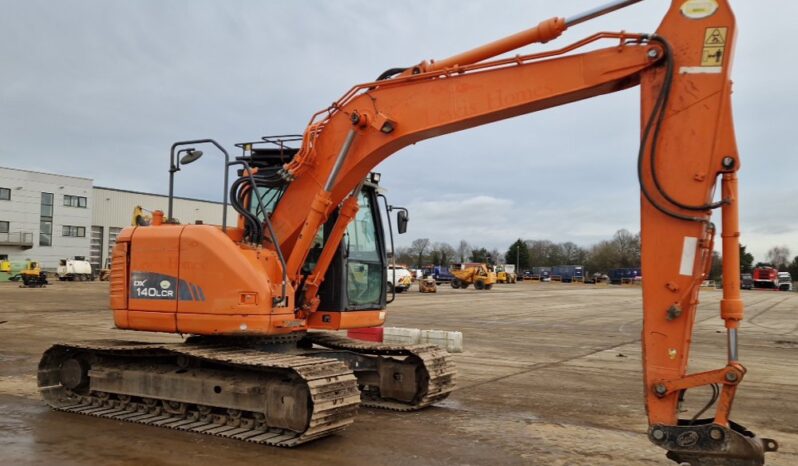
[318,207]
[339,162]
[543,32]
[598,11]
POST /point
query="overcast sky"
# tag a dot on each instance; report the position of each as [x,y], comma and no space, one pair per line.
[102,88]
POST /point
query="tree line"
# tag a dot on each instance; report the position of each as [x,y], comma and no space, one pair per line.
[620,251]
[422,252]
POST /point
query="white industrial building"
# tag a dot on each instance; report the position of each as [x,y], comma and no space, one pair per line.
[48,217]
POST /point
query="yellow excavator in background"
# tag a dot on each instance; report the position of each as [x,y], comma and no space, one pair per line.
[32,275]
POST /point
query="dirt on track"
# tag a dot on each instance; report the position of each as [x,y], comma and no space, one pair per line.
[550,375]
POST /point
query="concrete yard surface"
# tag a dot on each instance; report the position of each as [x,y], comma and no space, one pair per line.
[550,375]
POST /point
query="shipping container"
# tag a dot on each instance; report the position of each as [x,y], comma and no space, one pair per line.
[624,275]
[568,273]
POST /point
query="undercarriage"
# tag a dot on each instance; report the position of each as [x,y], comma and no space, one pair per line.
[281,392]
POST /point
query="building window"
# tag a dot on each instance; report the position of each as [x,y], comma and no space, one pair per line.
[46,221]
[47,205]
[69,230]
[74,201]
[5,194]
[3,227]
[45,233]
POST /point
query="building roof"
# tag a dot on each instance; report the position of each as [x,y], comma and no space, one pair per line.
[158,195]
[112,189]
[47,173]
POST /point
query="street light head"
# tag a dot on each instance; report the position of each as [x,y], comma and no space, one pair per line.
[191,156]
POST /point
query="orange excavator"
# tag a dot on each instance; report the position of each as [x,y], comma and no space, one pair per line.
[307,253]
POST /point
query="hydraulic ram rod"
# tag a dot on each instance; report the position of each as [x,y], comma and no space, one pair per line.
[543,32]
[598,11]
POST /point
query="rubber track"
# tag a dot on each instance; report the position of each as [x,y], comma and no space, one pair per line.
[437,364]
[332,387]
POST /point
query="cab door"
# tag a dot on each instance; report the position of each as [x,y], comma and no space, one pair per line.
[356,278]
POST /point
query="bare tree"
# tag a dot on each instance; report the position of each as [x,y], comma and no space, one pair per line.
[572,253]
[779,256]
[463,250]
[627,248]
[603,257]
[418,247]
[445,253]
[544,253]
[404,255]
[495,257]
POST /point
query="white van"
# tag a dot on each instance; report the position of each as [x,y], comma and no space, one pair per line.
[399,278]
[77,269]
[785,281]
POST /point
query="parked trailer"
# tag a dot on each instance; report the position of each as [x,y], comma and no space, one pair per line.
[538,273]
[624,275]
[568,273]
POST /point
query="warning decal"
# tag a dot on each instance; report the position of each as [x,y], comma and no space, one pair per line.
[714,46]
[715,36]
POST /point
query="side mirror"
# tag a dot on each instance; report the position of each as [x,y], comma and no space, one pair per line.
[401,221]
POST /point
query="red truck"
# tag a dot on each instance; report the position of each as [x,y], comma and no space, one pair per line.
[766,277]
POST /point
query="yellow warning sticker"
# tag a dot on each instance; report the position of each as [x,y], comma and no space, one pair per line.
[712,56]
[715,36]
[714,46]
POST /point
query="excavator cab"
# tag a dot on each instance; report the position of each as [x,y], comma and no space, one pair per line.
[356,277]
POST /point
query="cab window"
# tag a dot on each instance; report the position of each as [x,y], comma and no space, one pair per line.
[364,264]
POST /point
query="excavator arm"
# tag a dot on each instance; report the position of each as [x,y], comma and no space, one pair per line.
[687,145]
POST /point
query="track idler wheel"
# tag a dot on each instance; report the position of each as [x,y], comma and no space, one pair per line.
[74,374]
